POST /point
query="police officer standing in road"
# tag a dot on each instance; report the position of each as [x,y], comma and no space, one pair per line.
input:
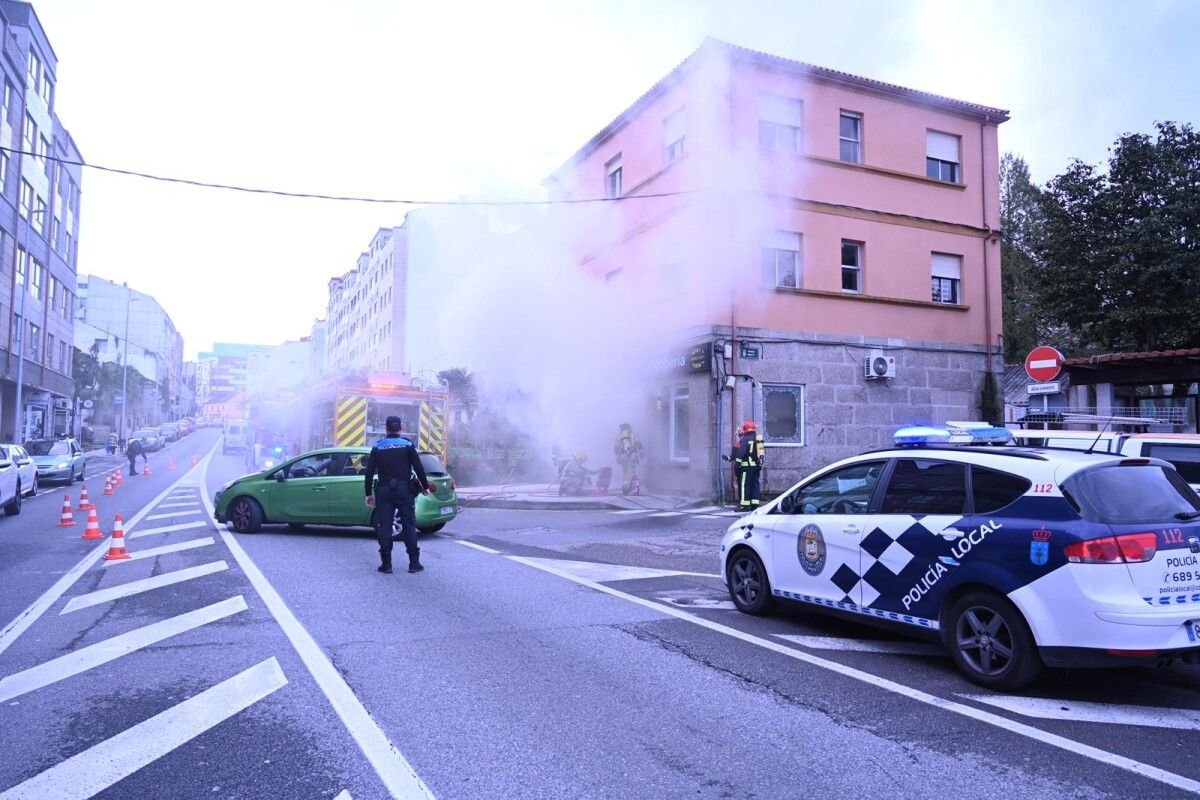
[395,459]
[132,451]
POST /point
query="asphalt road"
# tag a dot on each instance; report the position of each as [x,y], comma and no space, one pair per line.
[541,654]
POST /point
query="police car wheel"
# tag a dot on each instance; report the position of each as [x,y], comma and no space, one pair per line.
[245,515]
[749,587]
[990,642]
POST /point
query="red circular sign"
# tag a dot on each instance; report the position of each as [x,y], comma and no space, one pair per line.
[1043,364]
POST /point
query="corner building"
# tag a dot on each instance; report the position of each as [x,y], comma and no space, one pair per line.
[799,226]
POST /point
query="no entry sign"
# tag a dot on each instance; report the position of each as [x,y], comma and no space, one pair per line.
[1043,364]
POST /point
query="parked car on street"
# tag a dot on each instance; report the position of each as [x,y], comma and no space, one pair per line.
[1182,450]
[11,490]
[1014,556]
[237,436]
[150,438]
[169,431]
[57,459]
[325,487]
[26,469]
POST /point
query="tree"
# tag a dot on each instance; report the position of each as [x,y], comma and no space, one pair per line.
[1117,254]
[461,385]
[1020,221]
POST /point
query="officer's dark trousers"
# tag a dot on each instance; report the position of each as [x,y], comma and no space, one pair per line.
[748,487]
[389,501]
[132,465]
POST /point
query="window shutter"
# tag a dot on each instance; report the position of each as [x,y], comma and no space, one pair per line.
[947,266]
[777,108]
[941,146]
[612,166]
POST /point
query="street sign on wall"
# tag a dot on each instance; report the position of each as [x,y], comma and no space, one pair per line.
[1043,364]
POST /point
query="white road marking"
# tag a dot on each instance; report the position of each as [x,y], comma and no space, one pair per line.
[707,516]
[183,526]
[398,776]
[1038,735]
[170,514]
[733,514]
[1077,711]
[88,773]
[668,514]
[344,794]
[94,655]
[154,552]
[182,504]
[706,603]
[634,511]
[38,607]
[145,585]
[866,646]
[592,571]
[480,547]
[705,510]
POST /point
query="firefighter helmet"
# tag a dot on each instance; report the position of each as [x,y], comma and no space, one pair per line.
[748,426]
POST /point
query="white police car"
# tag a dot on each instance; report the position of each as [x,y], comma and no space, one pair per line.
[1015,556]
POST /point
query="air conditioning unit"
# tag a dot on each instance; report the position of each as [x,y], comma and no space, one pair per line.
[879,364]
[62,403]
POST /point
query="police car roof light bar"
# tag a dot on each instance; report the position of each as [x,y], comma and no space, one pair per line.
[958,433]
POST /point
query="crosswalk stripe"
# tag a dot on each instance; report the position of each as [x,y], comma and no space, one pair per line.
[183,504]
[170,514]
[705,510]
[183,526]
[634,511]
[100,766]
[147,584]
[707,516]
[668,514]
[94,655]
[154,552]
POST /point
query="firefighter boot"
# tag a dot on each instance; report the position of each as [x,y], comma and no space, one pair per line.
[414,561]
[386,565]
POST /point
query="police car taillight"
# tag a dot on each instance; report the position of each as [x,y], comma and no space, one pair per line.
[1130,548]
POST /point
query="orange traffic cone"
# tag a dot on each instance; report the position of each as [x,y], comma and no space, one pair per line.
[108,486]
[67,520]
[92,531]
[116,478]
[193,460]
[146,468]
[120,476]
[116,550]
[170,463]
[85,502]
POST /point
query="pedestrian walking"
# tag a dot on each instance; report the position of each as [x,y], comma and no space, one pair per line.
[132,451]
[747,460]
[401,478]
[628,451]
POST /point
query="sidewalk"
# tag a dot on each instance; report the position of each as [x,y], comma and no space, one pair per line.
[545,497]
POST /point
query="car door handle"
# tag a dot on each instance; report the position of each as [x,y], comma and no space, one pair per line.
[320,488]
[951,533]
[853,530]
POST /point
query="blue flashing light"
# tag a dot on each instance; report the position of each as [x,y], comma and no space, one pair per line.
[979,433]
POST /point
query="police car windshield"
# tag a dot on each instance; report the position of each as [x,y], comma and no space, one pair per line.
[1127,495]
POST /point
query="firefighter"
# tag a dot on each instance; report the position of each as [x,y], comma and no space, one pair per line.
[747,460]
[401,478]
[628,451]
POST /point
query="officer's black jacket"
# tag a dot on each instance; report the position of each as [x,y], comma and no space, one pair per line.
[134,448]
[394,458]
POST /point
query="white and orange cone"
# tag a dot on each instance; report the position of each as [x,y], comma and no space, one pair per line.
[85,502]
[170,463]
[118,475]
[116,550]
[92,531]
[67,519]
[146,468]
[108,490]
[193,460]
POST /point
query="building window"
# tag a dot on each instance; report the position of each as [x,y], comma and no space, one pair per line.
[34,70]
[38,219]
[26,199]
[64,358]
[3,170]
[35,280]
[32,349]
[8,103]
[947,277]
[673,137]
[43,151]
[851,266]
[45,87]
[612,178]
[780,120]
[850,137]
[781,260]
[942,156]
[51,351]
[52,298]
[680,431]
[783,410]
[22,266]
[29,134]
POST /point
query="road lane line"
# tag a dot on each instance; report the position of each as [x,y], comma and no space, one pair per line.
[183,526]
[39,606]
[389,763]
[707,516]
[171,514]
[94,655]
[1078,711]
[1036,734]
[480,547]
[597,571]
[145,585]
[155,552]
[634,511]
[88,773]
[866,645]
[668,514]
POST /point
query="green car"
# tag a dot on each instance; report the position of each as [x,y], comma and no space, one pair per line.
[325,487]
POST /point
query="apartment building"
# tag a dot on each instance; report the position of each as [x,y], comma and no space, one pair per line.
[124,326]
[365,313]
[39,235]
[223,377]
[823,246]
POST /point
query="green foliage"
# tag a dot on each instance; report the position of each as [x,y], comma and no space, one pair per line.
[1020,220]
[461,385]
[1117,254]
[991,404]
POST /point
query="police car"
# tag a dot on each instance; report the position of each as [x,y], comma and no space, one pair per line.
[1016,557]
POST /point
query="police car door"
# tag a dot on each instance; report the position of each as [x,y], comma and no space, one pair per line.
[815,538]
[904,551]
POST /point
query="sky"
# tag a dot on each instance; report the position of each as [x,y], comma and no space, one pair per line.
[481,100]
